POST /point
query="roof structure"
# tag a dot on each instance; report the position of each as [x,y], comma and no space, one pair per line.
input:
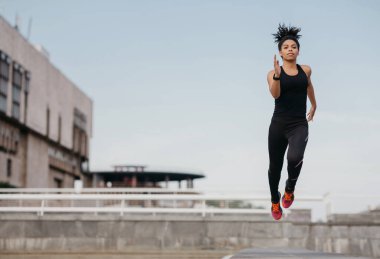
[143,172]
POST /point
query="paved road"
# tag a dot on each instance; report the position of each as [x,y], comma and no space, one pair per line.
[277,253]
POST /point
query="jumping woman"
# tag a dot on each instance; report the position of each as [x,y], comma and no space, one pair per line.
[290,85]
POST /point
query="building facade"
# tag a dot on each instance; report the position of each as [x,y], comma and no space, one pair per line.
[45,119]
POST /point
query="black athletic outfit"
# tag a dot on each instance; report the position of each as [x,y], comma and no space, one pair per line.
[288,127]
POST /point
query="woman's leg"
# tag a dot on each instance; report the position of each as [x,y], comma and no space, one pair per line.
[297,139]
[277,144]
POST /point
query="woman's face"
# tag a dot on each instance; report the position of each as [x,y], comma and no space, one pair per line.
[289,50]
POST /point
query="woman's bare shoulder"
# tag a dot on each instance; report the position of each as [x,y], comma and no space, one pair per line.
[307,69]
[271,72]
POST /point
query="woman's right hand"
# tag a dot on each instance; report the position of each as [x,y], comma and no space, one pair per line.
[277,68]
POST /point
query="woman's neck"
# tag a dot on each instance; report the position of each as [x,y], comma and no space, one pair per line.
[290,64]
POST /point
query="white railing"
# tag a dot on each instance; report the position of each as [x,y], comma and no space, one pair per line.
[130,200]
[125,190]
[95,190]
[157,200]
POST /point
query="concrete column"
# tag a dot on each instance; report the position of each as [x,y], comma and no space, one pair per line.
[134,181]
[179,184]
[125,180]
[167,181]
[94,180]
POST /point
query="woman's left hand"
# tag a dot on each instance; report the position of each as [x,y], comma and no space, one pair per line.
[310,114]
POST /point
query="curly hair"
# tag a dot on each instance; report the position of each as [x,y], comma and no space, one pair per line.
[285,33]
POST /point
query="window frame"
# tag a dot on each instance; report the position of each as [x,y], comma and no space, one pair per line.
[4,78]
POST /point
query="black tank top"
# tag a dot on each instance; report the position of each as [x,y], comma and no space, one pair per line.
[293,95]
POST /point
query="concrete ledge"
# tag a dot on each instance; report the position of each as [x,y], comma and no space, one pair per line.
[89,233]
[285,253]
[135,217]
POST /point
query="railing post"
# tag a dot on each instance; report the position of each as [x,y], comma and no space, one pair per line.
[203,208]
[328,204]
[42,207]
[122,207]
[97,206]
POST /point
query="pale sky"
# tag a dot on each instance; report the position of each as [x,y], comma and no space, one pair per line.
[183,84]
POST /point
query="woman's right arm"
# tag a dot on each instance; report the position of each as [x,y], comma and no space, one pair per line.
[274,85]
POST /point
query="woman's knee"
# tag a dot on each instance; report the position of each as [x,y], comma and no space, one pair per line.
[295,160]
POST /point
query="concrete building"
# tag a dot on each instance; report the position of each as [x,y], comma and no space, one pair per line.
[45,119]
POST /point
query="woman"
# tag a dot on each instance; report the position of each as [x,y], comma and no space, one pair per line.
[290,85]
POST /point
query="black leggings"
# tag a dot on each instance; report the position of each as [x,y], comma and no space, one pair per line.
[284,131]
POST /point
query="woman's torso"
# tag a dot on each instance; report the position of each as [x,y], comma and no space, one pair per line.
[293,95]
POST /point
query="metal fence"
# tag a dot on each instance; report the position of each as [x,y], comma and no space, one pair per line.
[172,201]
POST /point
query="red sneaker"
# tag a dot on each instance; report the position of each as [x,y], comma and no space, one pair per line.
[287,199]
[276,210]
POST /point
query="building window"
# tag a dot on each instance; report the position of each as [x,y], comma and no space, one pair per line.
[80,143]
[27,82]
[9,167]
[16,94]
[58,183]
[4,79]
[16,90]
[26,89]
[3,94]
[2,137]
[79,119]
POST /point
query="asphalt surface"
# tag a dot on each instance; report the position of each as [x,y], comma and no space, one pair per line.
[285,253]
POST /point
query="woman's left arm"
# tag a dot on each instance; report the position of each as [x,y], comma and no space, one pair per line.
[311,95]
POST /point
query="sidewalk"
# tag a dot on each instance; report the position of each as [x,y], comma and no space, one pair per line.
[285,253]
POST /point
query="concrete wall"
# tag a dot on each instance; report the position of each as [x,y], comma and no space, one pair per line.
[354,239]
[66,233]
[37,161]
[48,88]
[40,147]
[17,172]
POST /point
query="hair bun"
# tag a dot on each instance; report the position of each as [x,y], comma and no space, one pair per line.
[284,31]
